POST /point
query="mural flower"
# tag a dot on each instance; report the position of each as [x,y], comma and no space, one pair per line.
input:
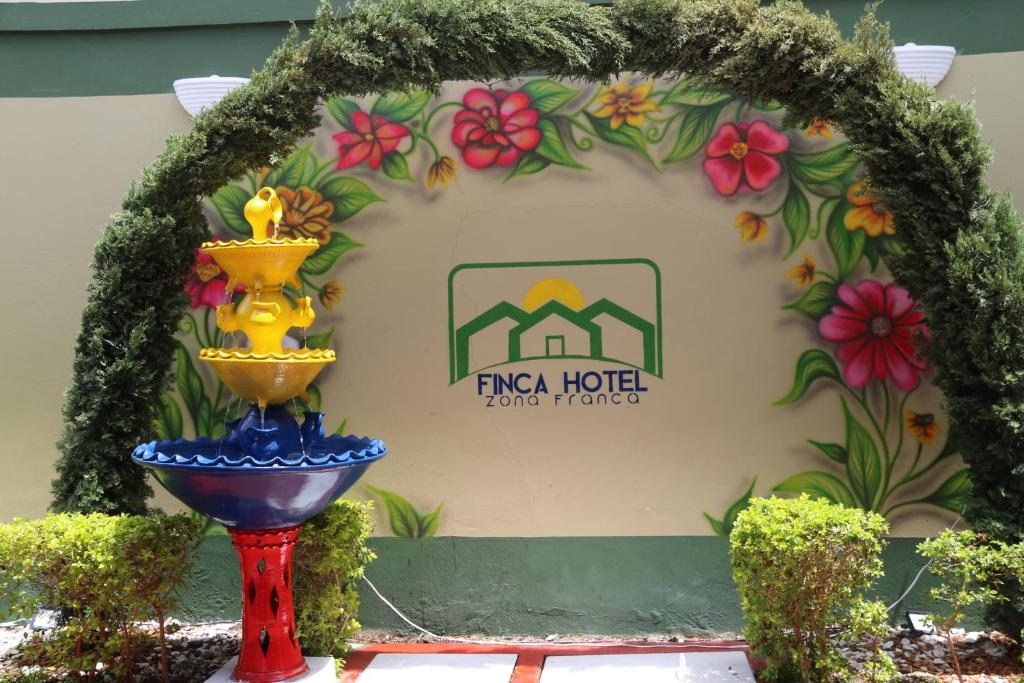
[372,138]
[804,273]
[922,425]
[743,157]
[206,284]
[867,213]
[441,171]
[626,104]
[495,128]
[875,328]
[752,227]
[331,294]
[306,214]
[822,127]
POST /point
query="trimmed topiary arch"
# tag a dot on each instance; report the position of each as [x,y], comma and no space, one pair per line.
[961,244]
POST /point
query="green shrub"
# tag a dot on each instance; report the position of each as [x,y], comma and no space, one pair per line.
[801,566]
[329,559]
[971,570]
[104,573]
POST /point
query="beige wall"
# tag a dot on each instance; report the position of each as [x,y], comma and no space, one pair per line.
[691,445]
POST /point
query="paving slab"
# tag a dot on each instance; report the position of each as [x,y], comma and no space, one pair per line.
[439,668]
[690,667]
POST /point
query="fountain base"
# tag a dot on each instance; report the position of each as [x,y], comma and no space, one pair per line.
[270,648]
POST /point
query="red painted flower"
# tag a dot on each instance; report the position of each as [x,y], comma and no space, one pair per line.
[206,283]
[495,128]
[875,328]
[742,157]
[372,138]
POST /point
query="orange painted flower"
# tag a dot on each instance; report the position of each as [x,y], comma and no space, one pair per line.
[822,127]
[804,273]
[306,214]
[752,227]
[867,213]
[922,425]
[626,104]
[442,171]
[331,294]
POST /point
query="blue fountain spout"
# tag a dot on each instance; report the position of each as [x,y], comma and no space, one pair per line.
[312,428]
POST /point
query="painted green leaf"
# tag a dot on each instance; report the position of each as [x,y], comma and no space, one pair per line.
[952,493]
[552,145]
[401,106]
[696,129]
[816,300]
[813,364]
[293,172]
[683,92]
[402,517]
[824,213]
[168,419]
[623,136]
[796,214]
[230,203]
[889,245]
[547,96]
[832,451]
[430,522]
[528,164]
[320,341]
[324,258]
[188,381]
[950,448]
[824,166]
[863,464]
[724,526]
[396,167]
[315,398]
[871,253]
[341,427]
[349,196]
[205,418]
[341,110]
[847,246]
[818,485]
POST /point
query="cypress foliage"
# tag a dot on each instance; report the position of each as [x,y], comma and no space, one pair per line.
[961,242]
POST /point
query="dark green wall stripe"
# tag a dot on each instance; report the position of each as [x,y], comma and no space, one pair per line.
[140,46]
[537,586]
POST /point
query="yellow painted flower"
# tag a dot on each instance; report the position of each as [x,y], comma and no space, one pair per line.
[331,294]
[752,227]
[306,214]
[922,426]
[822,127]
[626,104]
[867,213]
[804,273]
[442,171]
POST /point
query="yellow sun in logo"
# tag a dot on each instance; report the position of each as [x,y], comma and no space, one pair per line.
[553,289]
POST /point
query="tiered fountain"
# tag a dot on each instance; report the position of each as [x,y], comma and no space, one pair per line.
[269,474]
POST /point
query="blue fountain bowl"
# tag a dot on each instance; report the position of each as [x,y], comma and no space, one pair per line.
[226,481]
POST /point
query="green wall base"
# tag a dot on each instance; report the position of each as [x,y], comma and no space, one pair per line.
[538,586]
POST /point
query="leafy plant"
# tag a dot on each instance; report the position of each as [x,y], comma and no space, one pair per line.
[404,519]
[971,570]
[871,620]
[105,574]
[330,557]
[801,566]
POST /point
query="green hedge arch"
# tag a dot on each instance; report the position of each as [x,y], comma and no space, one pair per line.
[962,249]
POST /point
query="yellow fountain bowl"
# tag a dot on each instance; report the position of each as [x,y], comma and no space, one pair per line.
[264,378]
[273,262]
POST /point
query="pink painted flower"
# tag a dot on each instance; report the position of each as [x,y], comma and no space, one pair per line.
[875,328]
[372,138]
[742,157]
[206,283]
[495,128]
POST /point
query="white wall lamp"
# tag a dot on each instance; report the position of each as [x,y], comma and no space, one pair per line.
[196,94]
[926,63]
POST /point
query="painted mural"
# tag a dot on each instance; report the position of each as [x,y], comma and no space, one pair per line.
[886,455]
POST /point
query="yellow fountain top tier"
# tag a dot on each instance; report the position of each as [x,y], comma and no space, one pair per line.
[266,372]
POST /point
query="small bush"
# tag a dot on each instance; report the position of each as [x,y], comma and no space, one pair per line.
[329,560]
[104,573]
[971,570]
[801,567]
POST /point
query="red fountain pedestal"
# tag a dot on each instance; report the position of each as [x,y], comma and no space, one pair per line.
[270,648]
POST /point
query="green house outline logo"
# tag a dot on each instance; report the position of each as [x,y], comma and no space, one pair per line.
[459,339]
